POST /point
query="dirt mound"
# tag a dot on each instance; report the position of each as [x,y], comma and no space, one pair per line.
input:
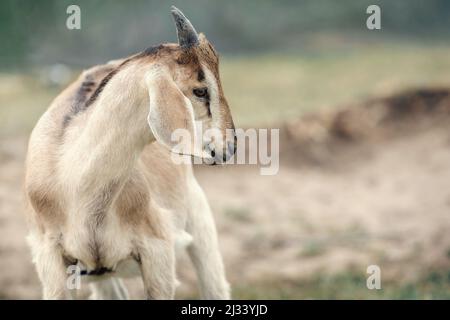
[317,138]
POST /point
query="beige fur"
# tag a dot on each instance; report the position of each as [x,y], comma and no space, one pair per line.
[102,187]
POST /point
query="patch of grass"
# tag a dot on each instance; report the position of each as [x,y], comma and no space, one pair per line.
[238,214]
[349,285]
[313,249]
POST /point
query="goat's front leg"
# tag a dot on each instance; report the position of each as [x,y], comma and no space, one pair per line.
[157,260]
[51,270]
[204,250]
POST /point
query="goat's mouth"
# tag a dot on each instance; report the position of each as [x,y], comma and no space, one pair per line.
[208,157]
[220,155]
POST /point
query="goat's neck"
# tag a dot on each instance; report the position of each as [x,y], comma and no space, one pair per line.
[112,139]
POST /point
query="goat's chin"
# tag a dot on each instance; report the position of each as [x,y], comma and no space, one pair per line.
[209,161]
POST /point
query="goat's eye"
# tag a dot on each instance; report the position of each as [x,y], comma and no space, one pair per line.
[201,92]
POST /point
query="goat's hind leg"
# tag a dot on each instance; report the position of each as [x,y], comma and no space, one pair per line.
[108,289]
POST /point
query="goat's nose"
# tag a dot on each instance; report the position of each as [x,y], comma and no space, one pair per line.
[232,146]
[230,151]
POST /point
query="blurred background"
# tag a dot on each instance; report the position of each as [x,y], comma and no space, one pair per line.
[363,116]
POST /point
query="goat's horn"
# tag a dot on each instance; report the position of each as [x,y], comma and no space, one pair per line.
[187,36]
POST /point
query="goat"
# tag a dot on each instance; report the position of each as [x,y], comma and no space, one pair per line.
[105,194]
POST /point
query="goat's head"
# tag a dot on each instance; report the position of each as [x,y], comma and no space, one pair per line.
[185,91]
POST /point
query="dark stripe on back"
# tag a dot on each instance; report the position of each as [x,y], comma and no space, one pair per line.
[151,51]
[82,100]
[87,86]
[102,85]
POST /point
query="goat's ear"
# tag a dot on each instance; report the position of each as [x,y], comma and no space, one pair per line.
[170,111]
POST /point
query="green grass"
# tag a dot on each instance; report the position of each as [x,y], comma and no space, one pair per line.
[238,214]
[349,285]
[313,249]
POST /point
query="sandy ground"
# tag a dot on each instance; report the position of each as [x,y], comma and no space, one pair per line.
[382,201]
